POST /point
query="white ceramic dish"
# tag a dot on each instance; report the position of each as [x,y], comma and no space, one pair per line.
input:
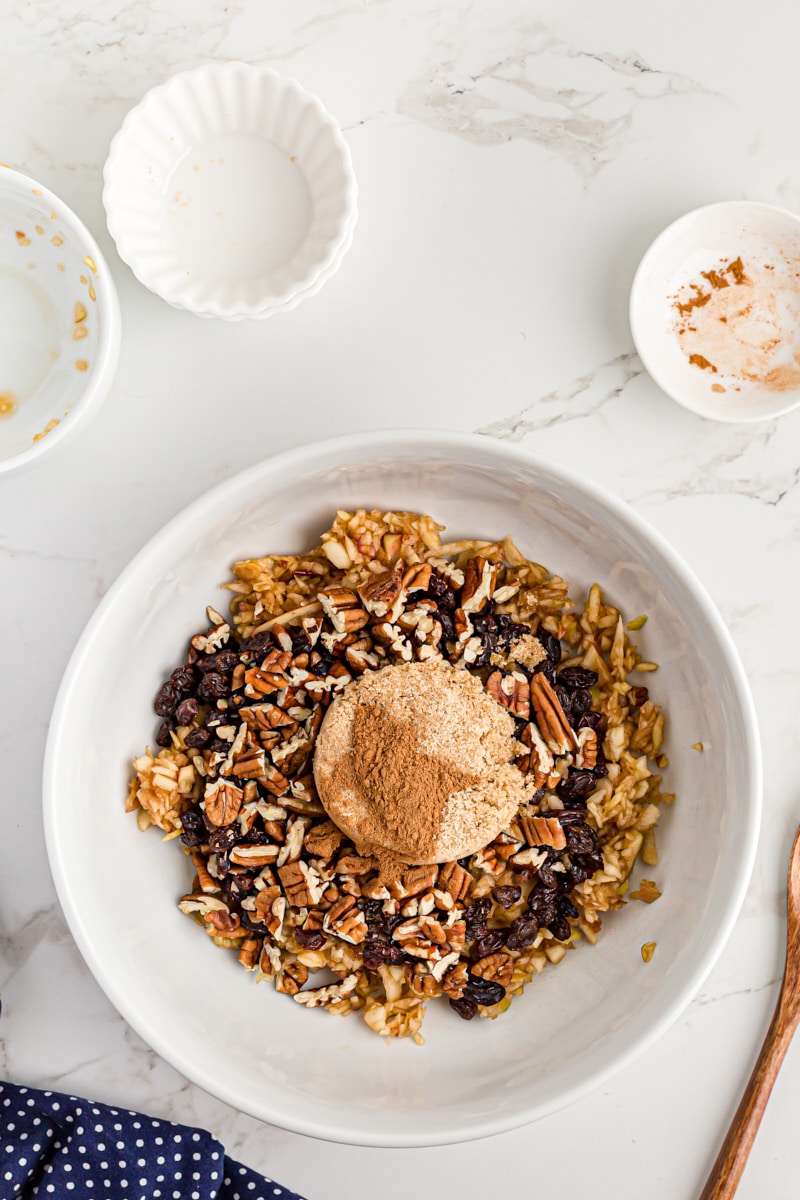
[54,368]
[759,234]
[229,191]
[332,1078]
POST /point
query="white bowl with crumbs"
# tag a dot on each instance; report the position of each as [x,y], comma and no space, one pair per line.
[229,191]
[59,322]
[715,311]
[576,1024]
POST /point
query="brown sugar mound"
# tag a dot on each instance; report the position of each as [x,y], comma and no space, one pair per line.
[416,759]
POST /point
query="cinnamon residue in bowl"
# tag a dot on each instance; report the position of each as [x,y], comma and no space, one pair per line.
[742,320]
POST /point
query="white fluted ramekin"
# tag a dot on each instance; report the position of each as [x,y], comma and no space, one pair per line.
[229,191]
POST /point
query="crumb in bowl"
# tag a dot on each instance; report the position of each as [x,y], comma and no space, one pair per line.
[339,668]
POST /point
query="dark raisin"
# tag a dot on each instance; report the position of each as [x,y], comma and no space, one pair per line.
[166,700]
[213,718]
[484,991]
[591,720]
[581,839]
[486,652]
[186,711]
[542,905]
[563,698]
[581,701]
[223,662]
[638,696]
[194,829]
[445,619]
[589,862]
[546,877]
[439,591]
[550,644]
[310,939]
[372,909]
[377,952]
[561,929]
[300,642]
[577,677]
[183,680]
[547,669]
[213,686]
[507,895]
[510,631]
[225,837]
[566,908]
[577,786]
[476,916]
[219,746]
[464,862]
[577,874]
[465,1007]
[568,816]
[259,645]
[198,739]
[490,943]
[162,737]
[522,933]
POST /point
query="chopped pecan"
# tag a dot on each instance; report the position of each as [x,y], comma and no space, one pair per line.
[291,978]
[344,609]
[346,920]
[462,626]
[199,903]
[539,761]
[455,880]
[246,855]
[249,953]
[420,980]
[250,764]
[480,578]
[498,967]
[301,883]
[550,716]
[543,831]
[207,885]
[270,908]
[587,749]
[455,980]
[293,843]
[325,996]
[265,716]
[413,880]
[274,781]
[360,661]
[223,799]
[531,858]
[322,841]
[433,930]
[381,592]
[417,578]
[353,864]
[512,691]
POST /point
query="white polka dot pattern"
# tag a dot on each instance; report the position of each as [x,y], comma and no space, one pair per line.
[60,1147]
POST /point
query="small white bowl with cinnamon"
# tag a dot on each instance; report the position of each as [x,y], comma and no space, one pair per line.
[715,311]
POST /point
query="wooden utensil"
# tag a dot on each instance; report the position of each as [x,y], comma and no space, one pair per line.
[727,1170]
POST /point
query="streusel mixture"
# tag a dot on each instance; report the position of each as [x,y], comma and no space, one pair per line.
[278,882]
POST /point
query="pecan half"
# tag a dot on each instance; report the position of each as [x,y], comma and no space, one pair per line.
[550,716]
[420,980]
[543,831]
[381,592]
[223,799]
[512,691]
[455,980]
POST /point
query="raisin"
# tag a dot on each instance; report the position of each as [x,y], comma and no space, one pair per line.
[564,699]
[561,929]
[259,645]
[542,905]
[591,720]
[638,696]
[522,933]
[550,644]
[546,877]
[577,786]
[566,908]
[507,895]
[166,700]
[310,939]
[580,701]
[439,591]
[194,829]
[577,677]
[186,711]
[465,1007]
[225,837]
[377,952]
[445,619]
[476,916]
[510,631]
[547,669]
[484,991]
[213,686]
[198,739]
[162,737]
[492,941]
[589,862]
[581,839]
[183,680]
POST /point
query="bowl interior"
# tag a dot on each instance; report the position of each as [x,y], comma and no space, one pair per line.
[762,236]
[332,1077]
[52,316]
[228,187]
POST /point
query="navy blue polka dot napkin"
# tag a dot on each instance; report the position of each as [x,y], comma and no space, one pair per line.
[65,1148]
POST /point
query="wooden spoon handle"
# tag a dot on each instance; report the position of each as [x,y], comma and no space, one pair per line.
[727,1170]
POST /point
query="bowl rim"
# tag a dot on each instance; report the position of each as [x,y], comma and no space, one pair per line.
[638,288]
[299,289]
[428,441]
[98,384]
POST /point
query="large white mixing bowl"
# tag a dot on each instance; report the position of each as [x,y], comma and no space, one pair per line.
[331,1077]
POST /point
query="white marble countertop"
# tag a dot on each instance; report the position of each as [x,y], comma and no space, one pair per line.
[514,160]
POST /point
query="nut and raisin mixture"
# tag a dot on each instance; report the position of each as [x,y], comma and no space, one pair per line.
[276,881]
